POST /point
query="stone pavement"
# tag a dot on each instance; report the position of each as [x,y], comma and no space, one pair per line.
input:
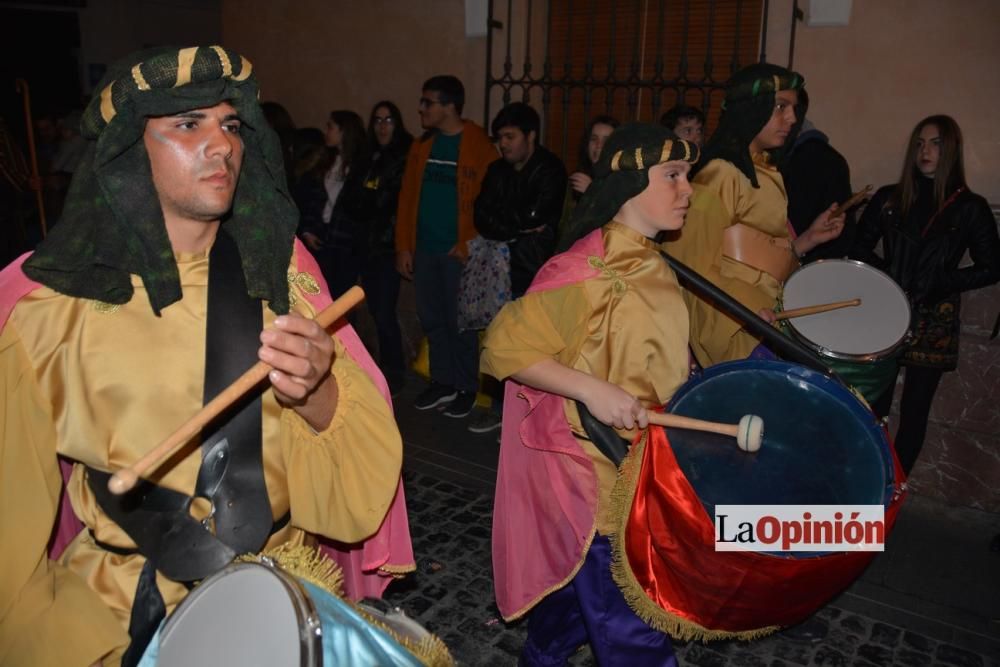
[932,599]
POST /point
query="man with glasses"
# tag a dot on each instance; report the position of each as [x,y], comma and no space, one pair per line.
[444,170]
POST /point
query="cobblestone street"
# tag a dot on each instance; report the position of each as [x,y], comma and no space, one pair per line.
[452,595]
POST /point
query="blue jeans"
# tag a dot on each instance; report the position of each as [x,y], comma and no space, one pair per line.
[454,355]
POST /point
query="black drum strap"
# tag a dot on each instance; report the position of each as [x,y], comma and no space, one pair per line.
[780,344]
[231,476]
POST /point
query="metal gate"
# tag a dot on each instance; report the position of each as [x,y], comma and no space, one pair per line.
[633,59]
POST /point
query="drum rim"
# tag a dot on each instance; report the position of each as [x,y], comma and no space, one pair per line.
[856,405]
[869,357]
[306,615]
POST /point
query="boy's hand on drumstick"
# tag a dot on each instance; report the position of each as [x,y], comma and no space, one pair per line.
[609,403]
[826,227]
[301,352]
[614,406]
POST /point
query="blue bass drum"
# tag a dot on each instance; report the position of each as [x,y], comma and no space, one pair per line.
[822,446]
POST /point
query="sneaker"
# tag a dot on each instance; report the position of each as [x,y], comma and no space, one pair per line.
[435,395]
[461,406]
[485,422]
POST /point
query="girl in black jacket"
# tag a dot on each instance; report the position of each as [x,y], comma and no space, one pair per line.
[926,223]
[369,201]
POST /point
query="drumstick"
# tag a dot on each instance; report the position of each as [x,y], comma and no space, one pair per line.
[818,308]
[749,433]
[126,478]
[854,199]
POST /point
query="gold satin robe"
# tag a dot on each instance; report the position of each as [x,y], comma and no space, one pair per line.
[628,325]
[102,385]
[724,196]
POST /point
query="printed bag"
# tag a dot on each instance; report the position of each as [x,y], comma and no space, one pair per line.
[485,284]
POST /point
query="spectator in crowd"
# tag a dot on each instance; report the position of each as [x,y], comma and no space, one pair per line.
[591,144]
[686,122]
[927,222]
[369,200]
[520,203]
[815,176]
[444,171]
[333,236]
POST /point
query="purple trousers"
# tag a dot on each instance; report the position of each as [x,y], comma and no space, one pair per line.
[591,608]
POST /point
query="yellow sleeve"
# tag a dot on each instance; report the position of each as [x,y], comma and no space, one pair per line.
[48,615]
[342,481]
[540,325]
[726,182]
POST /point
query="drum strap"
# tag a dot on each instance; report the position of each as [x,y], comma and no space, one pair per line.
[231,476]
[605,438]
[774,255]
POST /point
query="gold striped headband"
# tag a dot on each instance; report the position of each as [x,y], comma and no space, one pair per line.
[641,157]
[165,71]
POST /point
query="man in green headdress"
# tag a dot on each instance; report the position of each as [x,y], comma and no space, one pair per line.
[738,234]
[175,250]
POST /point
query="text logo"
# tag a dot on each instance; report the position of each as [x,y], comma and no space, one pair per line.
[799,528]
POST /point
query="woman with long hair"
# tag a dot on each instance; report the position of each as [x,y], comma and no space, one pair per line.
[926,222]
[591,143]
[330,234]
[369,201]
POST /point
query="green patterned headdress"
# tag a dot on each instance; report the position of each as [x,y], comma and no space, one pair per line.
[622,172]
[112,224]
[748,106]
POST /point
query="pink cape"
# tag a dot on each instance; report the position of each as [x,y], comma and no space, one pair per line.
[546,494]
[368,566]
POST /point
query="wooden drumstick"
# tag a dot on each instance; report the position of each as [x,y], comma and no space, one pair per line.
[854,199]
[818,308]
[126,478]
[749,433]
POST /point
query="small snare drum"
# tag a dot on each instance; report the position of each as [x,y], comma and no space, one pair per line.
[861,342]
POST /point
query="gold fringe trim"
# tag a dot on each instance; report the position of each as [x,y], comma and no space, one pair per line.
[309,564]
[678,627]
[305,563]
[398,571]
[541,596]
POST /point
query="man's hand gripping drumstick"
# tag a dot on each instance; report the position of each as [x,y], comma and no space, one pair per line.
[616,407]
[295,355]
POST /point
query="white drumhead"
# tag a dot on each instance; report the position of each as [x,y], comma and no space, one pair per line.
[243,616]
[871,330]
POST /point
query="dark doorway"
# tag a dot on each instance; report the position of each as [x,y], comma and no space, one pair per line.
[39,48]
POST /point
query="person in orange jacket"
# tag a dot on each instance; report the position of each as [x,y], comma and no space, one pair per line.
[444,171]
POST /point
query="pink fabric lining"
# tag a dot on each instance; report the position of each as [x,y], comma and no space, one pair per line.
[13,286]
[390,547]
[546,495]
